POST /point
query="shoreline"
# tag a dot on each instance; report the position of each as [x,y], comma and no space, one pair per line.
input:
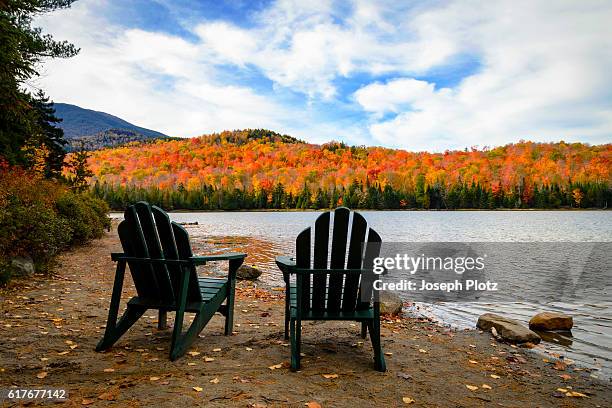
[291,210]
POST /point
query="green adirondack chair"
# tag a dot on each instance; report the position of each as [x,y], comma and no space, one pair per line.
[162,265]
[340,290]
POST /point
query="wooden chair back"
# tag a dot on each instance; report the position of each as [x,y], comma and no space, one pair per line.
[147,232]
[337,291]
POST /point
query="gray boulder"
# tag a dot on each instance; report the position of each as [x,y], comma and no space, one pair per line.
[246,272]
[22,265]
[551,321]
[509,330]
[390,303]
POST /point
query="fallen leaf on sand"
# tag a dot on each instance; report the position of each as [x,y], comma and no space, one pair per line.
[109,370]
[208,359]
[560,365]
[216,349]
[73,346]
[388,353]
[191,364]
[565,376]
[575,394]
[214,381]
[328,376]
[407,400]
[153,378]
[404,376]
[561,390]
[275,366]
[422,351]
[194,353]
[41,375]
[473,361]
[249,349]
[63,353]
[107,396]
[494,376]
[86,401]
[198,389]
[486,386]
[471,387]
[313,404]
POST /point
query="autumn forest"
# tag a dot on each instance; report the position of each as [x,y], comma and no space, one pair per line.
[260,169]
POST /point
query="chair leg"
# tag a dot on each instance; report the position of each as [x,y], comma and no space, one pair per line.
[364,329]
[379,358]
[295,328]
[298,341]
[115,329]
[234,264]
[229,318]
[114,332]
[162,320]
[286,324]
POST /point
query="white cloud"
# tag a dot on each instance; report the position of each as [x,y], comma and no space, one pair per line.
[392,96]
[543,75]
[152,79]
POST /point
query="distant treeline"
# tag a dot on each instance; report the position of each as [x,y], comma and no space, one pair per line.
[362,196]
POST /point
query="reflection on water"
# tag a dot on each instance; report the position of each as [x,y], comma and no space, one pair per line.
[264,235]
[260,253]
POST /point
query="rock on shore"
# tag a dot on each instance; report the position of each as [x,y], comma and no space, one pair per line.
[390,303]
[551,321]
[23,266]
[246,272]
[509,329]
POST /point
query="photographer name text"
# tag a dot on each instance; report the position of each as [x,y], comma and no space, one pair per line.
[409,285]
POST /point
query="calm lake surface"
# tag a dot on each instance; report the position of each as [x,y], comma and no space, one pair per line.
[264,235]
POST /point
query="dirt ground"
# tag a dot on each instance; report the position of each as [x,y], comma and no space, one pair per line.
[50,325]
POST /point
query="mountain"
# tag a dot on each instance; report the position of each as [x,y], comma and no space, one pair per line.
[257,168]
[99,129]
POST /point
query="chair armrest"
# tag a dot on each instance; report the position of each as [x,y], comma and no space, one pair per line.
[132,259]
[201,260]
[285,263]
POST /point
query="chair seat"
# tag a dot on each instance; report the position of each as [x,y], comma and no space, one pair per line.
[340,315]
[365,314]
[209,288]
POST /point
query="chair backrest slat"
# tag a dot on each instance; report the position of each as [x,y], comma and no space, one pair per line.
[154,248]
[168,243]
[139,272]
[367,279]
[338,257]
[321,252]
[148,278]
[183,246]
[302,260]
[354,261]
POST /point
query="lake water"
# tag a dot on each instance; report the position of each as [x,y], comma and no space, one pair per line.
[264,235]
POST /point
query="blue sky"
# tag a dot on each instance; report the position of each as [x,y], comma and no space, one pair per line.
[432,75]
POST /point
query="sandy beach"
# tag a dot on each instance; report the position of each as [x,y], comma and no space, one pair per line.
[51,324]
